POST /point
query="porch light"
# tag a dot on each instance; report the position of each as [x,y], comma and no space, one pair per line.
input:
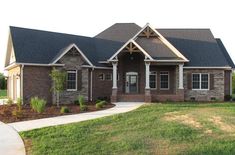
[6,77]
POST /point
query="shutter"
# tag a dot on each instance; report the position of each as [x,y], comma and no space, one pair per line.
[65,82]
[189,82]
[211,81]
[79,79]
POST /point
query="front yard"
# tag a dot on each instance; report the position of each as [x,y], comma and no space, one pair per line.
[151,129]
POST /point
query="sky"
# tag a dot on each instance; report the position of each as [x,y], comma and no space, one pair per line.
[89,17]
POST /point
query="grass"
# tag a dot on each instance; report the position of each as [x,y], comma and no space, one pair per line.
[3,94]
[152,129]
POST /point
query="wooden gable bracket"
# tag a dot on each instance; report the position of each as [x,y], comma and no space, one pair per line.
[148,32]
[131,48]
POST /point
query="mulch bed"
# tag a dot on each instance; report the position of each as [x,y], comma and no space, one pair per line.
[6,115]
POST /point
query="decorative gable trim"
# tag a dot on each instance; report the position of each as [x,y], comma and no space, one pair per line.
[131,41]
[67,50]
[151,31]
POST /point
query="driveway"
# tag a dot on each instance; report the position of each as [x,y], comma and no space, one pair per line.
[120,107]
[10,142]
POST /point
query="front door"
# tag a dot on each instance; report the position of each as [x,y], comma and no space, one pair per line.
[131,82]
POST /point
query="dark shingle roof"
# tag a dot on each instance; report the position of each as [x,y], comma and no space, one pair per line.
[156,48]
[197,45]
[35,46]
[225,52]
[119,32]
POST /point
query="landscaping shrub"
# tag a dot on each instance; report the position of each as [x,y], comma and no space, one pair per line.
[17,113]
[64,110]
[227,97]
[37,104]
[19,104]
[9,101]
[81,100]
[98,100]
[100,104]
[76,102]
[83,107]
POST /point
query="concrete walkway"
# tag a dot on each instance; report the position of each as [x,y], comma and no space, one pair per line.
[120,107]
[10,142]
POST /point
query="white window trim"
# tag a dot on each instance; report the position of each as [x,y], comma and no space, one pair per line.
[155,80]
[76,85]
[200,82]
[168,80]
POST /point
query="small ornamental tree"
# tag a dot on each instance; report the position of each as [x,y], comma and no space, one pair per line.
[58,77]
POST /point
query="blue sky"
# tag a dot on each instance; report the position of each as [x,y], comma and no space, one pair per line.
[89,17]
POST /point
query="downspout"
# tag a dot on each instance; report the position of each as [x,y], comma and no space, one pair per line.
[91,95]
[21,82]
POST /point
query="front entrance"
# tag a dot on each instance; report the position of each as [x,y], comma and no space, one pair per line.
[131,82]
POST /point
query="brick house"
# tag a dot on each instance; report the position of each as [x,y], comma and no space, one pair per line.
[124,63]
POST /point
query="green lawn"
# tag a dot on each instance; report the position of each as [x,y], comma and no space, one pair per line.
[151,129]
[3,94]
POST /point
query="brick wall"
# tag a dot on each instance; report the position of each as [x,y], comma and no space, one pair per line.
[37,82]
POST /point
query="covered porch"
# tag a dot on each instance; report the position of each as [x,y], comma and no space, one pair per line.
[138,78]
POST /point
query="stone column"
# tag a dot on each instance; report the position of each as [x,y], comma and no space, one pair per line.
[114,88]
[147,88]
[181,74]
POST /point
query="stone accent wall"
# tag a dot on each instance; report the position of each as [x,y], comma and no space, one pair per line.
[73,61]
[67,97]
[205,95]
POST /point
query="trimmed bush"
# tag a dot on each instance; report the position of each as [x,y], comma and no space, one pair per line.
[64,110]
[100,104]
[19,104]
[81,100]
[17,113]
[83,107]
[37,104]
[76,102]
[9,101]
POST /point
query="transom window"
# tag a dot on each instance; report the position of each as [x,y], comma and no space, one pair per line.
[200,81]
[164,80]
[153,80]
[72,80]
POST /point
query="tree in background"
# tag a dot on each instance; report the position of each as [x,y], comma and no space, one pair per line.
[3,83]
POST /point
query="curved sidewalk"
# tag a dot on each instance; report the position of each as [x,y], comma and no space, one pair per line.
[10,142]
[120,107]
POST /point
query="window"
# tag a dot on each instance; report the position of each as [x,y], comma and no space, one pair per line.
[200,81]
[152,80]
[72,80]
[101,76]
[164,80]
[108,76]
